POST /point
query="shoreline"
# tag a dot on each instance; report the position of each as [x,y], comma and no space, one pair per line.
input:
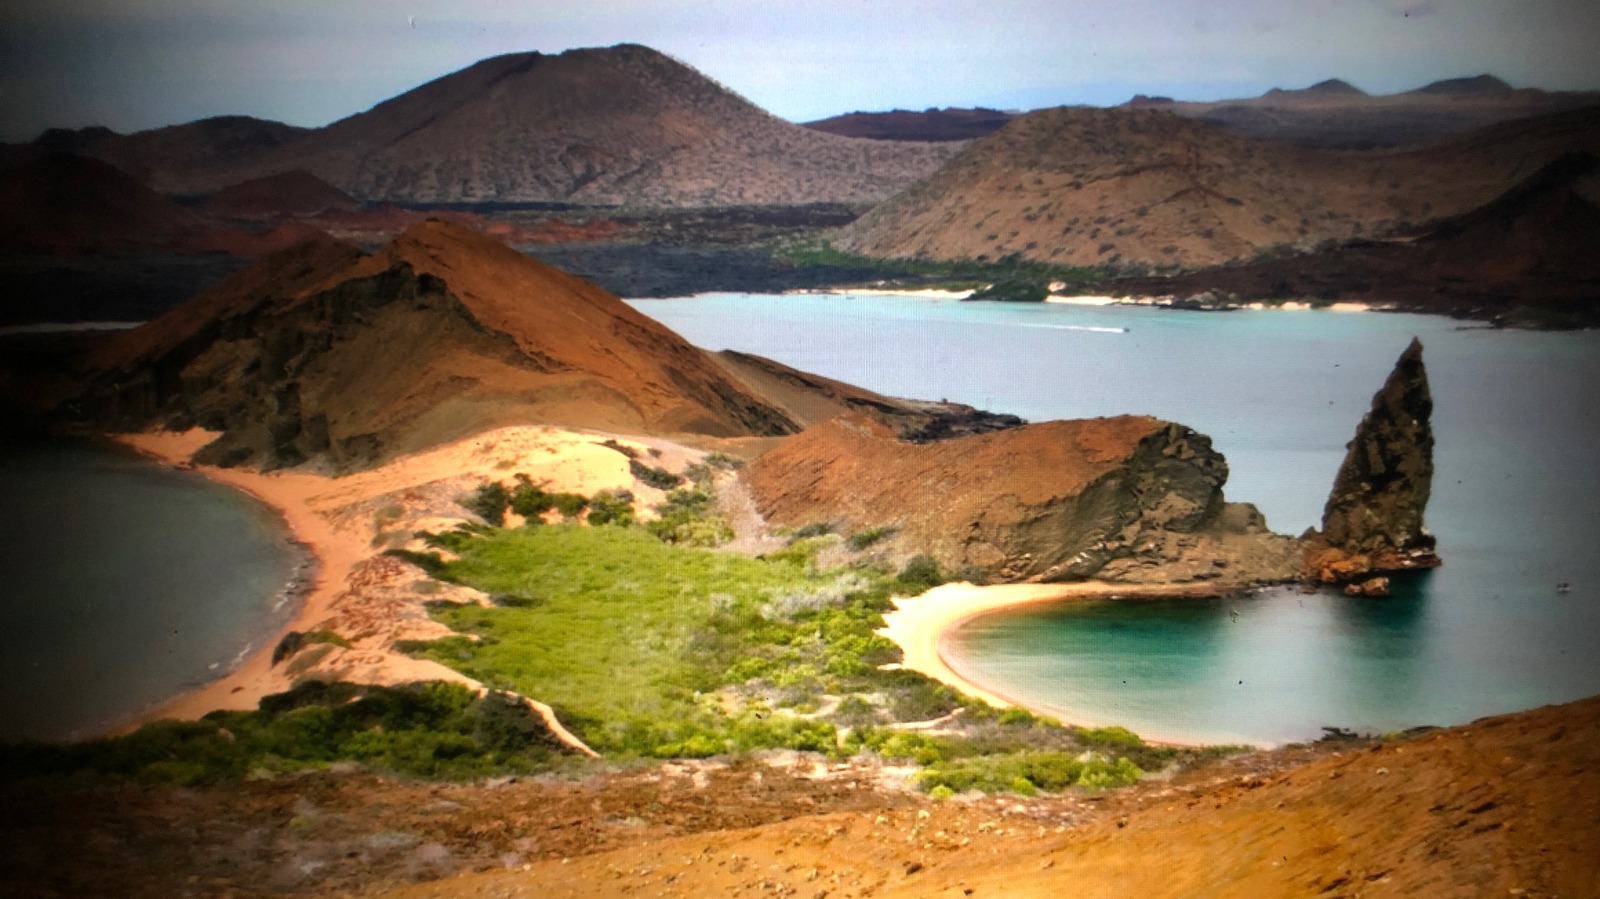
[922,625]
[314,588]
[345,524]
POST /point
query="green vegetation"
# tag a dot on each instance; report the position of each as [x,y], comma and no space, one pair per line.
[688,520]
[656,477]
[434,730]
[1014,290]
[862,539]
[648,645]
[531,501]
[325,636]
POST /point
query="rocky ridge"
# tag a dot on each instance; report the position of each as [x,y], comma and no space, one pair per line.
[1129,499]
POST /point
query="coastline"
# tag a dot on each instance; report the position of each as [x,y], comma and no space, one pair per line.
[921,625]
[345,524]
[332,559]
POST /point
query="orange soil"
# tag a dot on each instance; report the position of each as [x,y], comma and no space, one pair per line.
[1502,807]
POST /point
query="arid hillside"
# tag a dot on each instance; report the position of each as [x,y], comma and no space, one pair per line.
[1530,257]
[1138,187]
[616,125]
[324,352]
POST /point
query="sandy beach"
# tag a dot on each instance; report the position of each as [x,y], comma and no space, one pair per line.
[346,523]
[921,624]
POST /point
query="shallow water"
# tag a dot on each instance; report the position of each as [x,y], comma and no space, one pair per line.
[125,584]
[1514,506]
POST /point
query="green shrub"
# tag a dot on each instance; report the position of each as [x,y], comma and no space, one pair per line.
[814,529]
[1015,290]
[659,478]
[488,502]
[723,461]
[531,501]
[325,636]
[862,539]
[920,574]
[1109,736]
[432,563]
[611,508]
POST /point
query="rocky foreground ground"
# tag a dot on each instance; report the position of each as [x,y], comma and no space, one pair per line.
[1503,807]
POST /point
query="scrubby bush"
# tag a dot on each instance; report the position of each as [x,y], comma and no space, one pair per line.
[613,508]
[920,574]
[862,539]
[686,519]
[489,502]
[656,477]
[531,501]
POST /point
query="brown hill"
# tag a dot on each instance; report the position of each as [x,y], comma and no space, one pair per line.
[294,193]
[1530,256]
[1122,498]
[323,352]
[929,125]
[69,204]
[160,157]
[618,125]
[1090,186]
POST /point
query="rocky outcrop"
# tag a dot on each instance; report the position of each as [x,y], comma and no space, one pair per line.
[1373,520]
[1129,499]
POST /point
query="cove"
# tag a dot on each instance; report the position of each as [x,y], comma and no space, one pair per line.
[126,583]
[1514,501]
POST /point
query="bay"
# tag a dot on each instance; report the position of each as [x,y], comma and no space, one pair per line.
[1514,505]
[125,583]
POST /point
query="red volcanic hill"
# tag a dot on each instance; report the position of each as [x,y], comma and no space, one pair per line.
[322,352]
[63,203]
[293,193]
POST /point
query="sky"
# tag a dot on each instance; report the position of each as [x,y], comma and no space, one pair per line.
[136,64]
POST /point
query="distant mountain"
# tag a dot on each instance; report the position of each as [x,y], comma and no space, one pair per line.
[929,125]
[66,203]
[1334,113]
[1478,84]
[1322,90]
[294,193]
[618,125]
[1144,187]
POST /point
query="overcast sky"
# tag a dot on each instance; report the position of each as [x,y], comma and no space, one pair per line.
[133,64]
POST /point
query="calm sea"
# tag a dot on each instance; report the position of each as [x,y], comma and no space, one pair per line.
[124,584]
[1516,501]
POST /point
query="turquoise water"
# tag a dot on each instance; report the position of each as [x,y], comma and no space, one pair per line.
[125,584]
[1515,500]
